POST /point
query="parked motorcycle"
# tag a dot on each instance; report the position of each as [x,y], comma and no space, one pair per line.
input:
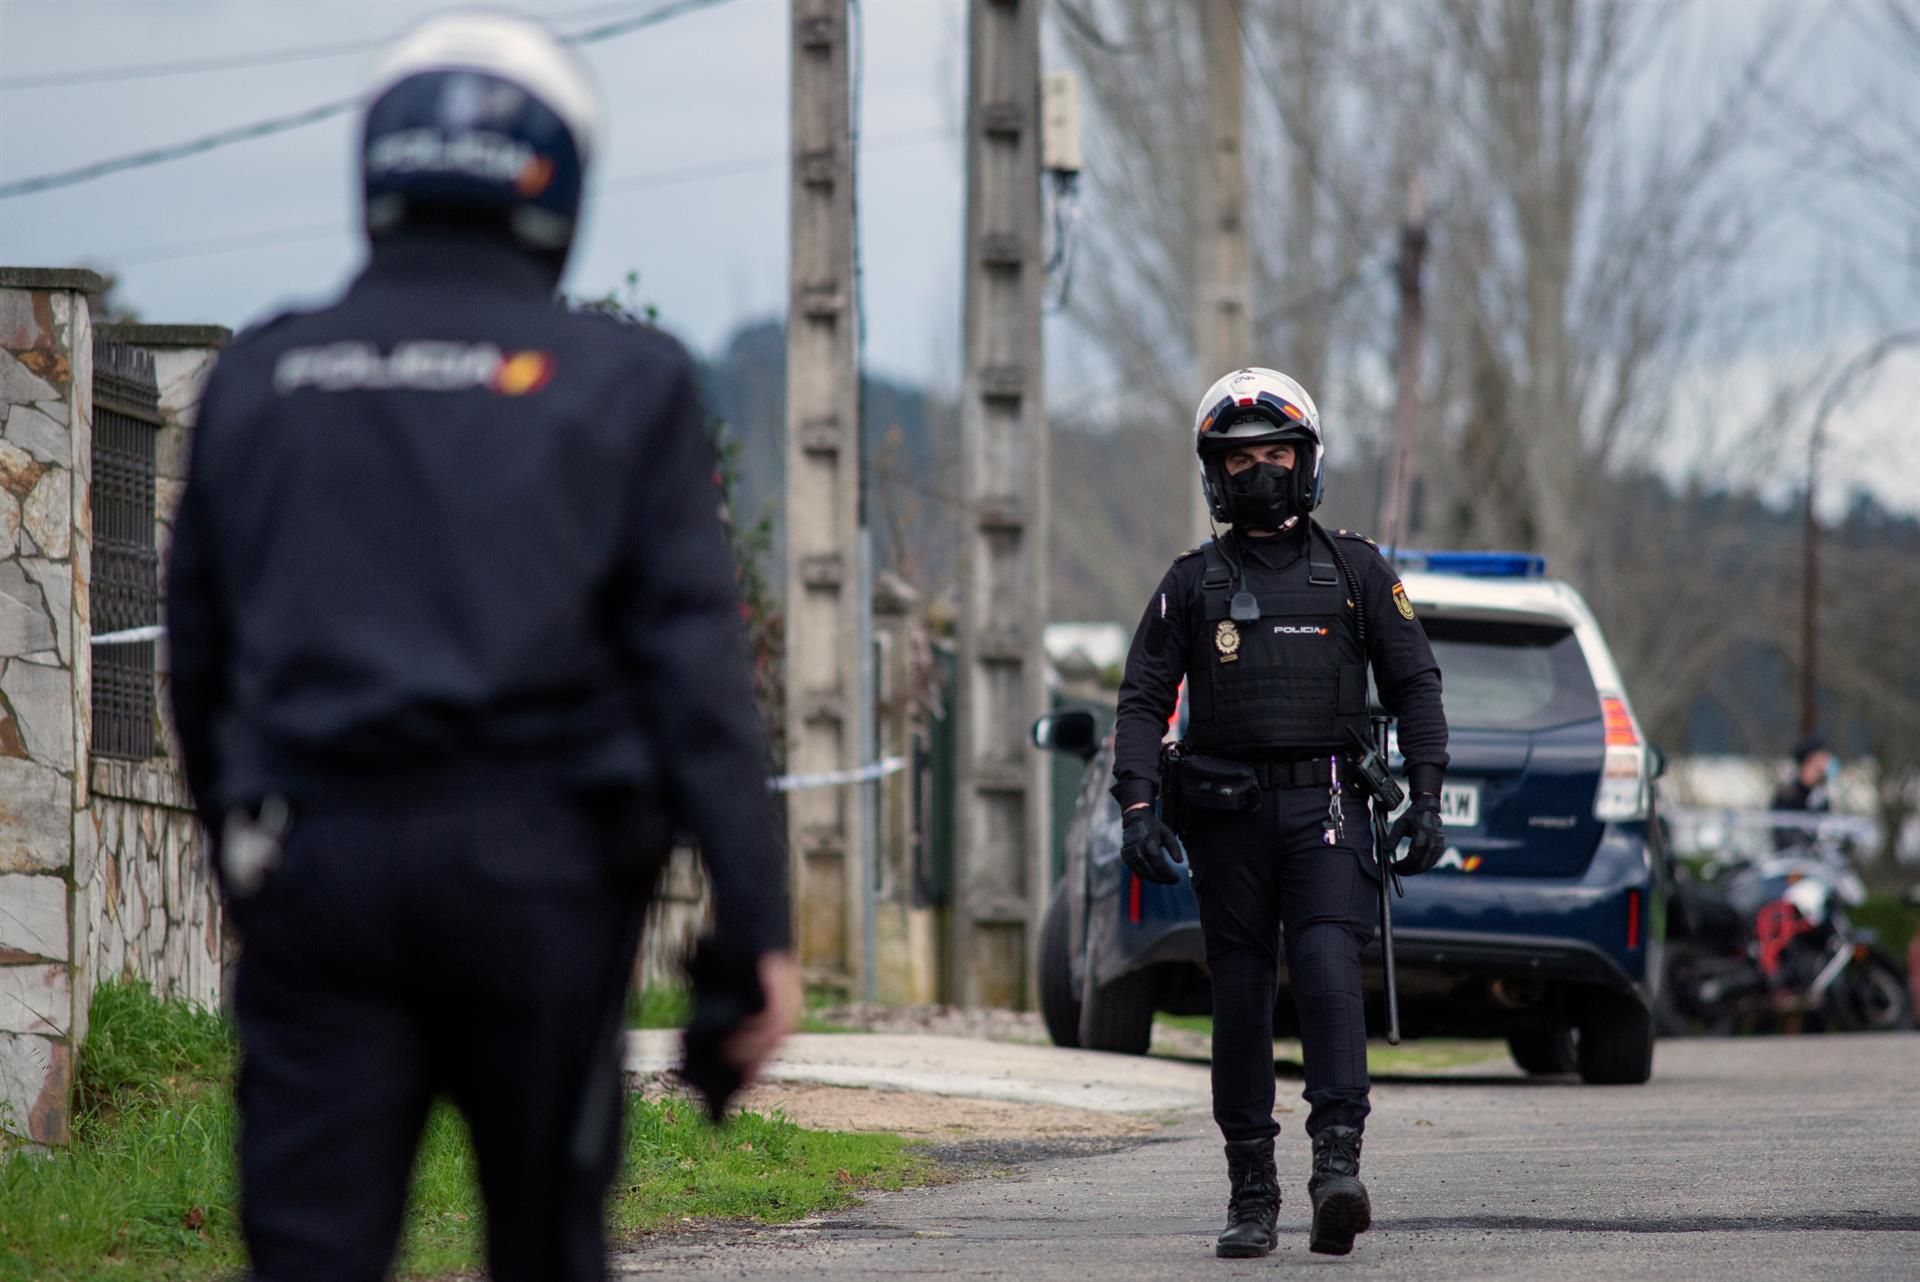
[1764,944]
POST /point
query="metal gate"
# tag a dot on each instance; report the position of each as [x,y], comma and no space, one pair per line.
[126,419]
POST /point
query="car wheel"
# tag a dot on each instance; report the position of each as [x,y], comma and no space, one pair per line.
[1059,999]
[1615,1046]
[1544,1051]
[1117,1017]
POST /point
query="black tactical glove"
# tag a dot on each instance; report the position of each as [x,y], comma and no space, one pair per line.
[726,989]
[1149,848]
[1419,825]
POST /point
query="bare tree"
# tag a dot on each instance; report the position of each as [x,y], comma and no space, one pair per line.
[1312,185]
[1602,187]
[1873,615]
[1590,234]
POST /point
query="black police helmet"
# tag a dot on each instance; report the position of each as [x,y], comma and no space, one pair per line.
[479,119]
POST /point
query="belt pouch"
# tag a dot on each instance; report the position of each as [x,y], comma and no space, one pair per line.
[1218,784]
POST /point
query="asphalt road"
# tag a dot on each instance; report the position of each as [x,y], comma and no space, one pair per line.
[1744,1160]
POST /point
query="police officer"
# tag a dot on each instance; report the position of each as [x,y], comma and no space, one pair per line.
[1814,770]
[454,645]
[1272,626]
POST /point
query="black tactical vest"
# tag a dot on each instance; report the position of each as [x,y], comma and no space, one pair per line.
[1292,682]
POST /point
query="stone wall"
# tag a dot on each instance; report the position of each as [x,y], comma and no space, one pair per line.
[100,870]
[150,905]
[46,375]
[679,915]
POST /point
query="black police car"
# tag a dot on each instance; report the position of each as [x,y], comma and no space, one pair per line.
[1542,924]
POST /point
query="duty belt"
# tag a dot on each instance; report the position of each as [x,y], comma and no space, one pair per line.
[1310,773]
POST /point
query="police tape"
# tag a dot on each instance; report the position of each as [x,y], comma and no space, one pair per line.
[128,636]
[784,783]
[829,778]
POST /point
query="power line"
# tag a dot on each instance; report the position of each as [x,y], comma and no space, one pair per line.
[186,66]
[300,119]
[276,237]
[236,61]
[178,151]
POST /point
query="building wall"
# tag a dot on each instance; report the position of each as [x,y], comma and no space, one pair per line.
[151,909]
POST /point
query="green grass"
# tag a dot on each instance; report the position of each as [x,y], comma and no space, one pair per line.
[672,1006]
[1411,1057]
[659,1007]
[1895,920]
[1201,1024]
[1427,1056]
[146,1191]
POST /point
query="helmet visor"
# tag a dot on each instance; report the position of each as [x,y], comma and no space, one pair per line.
[1246,420]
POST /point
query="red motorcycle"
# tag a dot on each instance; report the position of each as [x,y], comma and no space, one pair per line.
[1765,945]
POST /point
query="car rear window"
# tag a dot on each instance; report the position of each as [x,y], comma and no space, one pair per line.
[1511,676]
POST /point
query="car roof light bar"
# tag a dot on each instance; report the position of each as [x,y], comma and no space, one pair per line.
[1479,565]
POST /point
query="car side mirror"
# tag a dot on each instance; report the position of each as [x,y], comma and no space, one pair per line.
[1656,761]
[1073,730]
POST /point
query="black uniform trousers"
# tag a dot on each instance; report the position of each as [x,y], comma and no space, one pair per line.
[476,946]
[1254,873]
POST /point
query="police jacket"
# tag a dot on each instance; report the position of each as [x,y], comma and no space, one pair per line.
[1290,683]
[447,533]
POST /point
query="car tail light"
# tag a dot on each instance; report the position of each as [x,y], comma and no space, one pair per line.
[1633,920]
[1133,899]
[1620,729]
[1624,791]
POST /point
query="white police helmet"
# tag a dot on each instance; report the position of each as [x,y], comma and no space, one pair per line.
[480,115]
[1252,406]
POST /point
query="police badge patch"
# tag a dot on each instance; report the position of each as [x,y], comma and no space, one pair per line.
[1400,601]
[1226,639]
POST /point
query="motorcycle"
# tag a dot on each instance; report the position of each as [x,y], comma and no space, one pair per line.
[1764,944]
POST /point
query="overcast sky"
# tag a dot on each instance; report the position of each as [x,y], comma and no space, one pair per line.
[699,93]
[689,184]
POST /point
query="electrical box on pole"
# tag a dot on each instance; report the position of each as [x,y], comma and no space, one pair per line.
[1060,122]
[824,695]
[1001,834]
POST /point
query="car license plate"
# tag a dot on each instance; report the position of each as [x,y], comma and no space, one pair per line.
[1460,804]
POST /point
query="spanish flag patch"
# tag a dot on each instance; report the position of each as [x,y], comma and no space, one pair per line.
[1400,601]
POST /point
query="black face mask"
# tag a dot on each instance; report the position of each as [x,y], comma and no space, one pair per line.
[1260,498]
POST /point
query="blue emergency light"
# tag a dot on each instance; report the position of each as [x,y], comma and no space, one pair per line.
[1479,565]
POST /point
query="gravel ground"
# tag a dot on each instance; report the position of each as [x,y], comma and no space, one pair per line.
[940,1021]
[1022,1027]
[950,1122]
[1742,1160]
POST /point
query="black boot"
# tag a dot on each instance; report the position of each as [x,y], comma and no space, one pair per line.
[1254,1206]
[1340,1206]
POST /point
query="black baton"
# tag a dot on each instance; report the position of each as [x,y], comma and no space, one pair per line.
[1382,806]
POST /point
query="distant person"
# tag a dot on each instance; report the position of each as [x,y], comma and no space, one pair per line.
[455,646]
[1807,790]
[1273,626]
[1809,786]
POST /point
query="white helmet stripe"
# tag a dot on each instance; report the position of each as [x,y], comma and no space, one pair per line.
[518,50]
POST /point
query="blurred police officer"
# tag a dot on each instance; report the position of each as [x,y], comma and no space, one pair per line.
[454,644]
[1272,625]
[1809,787]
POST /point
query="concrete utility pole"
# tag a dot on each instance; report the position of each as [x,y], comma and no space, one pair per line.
[1001,847]
[1222,314]
[824,692]
[1395,520]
